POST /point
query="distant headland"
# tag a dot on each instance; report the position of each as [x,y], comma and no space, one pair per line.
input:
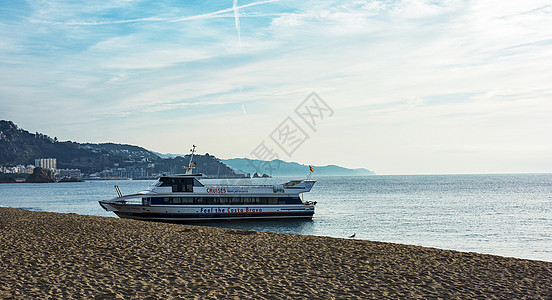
[279,167]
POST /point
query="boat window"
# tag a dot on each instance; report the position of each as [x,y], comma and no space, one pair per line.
[179,184]
[249,200]
[236,200]
[223,200]
[177,200]
[189,184]
[187,200]
[176,184]
[293,200]
[156,184]
[157,200]
[164,181]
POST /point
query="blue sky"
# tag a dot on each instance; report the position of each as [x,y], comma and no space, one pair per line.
[415,86]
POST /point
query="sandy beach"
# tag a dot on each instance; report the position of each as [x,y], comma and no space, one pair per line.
[52,255]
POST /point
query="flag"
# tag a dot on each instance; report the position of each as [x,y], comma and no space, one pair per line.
[311,169]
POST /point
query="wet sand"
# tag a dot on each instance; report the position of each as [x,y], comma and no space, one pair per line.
[52,256]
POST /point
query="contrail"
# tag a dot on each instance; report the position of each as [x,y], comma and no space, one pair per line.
[237,20]
[218,12]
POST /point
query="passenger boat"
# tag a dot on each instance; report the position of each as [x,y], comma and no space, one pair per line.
[184,198]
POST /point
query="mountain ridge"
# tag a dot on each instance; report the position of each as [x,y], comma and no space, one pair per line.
[279,167]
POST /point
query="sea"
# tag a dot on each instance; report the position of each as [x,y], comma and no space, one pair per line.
[507,214]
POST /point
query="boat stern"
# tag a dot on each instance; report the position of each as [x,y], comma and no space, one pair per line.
[299,186]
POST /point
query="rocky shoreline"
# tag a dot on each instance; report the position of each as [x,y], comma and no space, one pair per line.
[41,175]
[52,255]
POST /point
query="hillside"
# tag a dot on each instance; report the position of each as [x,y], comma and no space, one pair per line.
[281,168]
[18,146]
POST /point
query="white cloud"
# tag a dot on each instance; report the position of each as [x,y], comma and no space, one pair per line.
[417,86]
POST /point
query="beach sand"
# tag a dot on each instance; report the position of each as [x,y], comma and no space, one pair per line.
[51,256]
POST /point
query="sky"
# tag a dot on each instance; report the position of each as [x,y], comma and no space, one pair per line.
[397,87]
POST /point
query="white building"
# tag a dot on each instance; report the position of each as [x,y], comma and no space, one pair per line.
[19,169]
[46,163]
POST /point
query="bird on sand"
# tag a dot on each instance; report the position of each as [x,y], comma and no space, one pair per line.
[352,236]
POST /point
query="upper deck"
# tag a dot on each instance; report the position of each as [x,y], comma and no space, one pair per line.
[184,184]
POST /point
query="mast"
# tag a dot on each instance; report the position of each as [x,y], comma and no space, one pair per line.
[190,164]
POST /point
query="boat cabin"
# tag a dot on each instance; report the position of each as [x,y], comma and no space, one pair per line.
[180,183]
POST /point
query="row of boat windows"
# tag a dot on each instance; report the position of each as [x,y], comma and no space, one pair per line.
[180,184]
[224,200]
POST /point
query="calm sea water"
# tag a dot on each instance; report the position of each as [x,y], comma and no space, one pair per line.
[508,215]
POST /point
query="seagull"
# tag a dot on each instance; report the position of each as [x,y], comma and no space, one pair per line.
[352,236]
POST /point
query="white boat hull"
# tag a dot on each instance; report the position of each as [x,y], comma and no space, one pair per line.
[202,213]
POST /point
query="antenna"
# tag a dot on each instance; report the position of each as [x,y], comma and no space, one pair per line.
[190,164]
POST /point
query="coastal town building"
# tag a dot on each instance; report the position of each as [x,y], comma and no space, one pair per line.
[69,173]
[122,173]
[46,163]
[19,169]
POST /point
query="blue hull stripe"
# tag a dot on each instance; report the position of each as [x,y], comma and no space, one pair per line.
[215,216]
